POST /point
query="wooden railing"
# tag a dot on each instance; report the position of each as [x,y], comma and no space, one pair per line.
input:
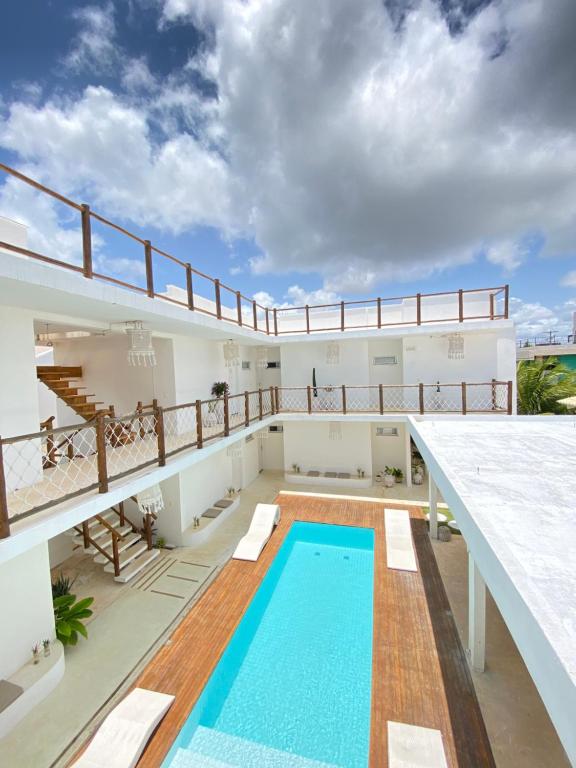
[231,306]
[29,484]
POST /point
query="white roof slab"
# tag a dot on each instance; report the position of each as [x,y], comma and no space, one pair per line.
[511,484]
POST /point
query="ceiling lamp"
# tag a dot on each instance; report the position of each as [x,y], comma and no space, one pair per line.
[335,430]
[231,354]
[455,346]
[333,353]
[150,501]
[141,352]
[261,357]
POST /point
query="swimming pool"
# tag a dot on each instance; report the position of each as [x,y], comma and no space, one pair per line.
[293,685]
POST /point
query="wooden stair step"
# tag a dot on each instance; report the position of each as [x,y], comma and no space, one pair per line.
[66,370]
[136,566]
[100,530]
[123,544]
[128,556]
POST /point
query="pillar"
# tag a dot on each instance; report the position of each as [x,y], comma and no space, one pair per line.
[433,506]
[476,616]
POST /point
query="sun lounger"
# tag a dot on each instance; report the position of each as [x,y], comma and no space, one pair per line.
[121,738]
[265,517]
[399,545]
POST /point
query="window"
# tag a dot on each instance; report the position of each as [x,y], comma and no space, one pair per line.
[273,364]
[386,431]
[385,360]
[245,365]
[276,428]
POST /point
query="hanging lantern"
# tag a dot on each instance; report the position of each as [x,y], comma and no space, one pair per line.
[141,352]
[455,346]
[335,430]
[262,434]
[231,354]
[150,501]
[333,353]
[261,357]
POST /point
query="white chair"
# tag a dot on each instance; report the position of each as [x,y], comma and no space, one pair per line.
[121,738]
[265,517]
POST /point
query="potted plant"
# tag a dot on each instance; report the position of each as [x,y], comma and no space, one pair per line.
[389,478]
[296,468]
[36,653]
[68,615]
[398,474]
[46,647]
[231,492]
[418,476]
[219,389]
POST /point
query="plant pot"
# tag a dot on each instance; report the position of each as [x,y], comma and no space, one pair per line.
[398,479]
[418,478]
[389,481]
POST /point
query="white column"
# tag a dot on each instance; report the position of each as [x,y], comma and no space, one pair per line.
[408,456]
[476,616]
[433,506]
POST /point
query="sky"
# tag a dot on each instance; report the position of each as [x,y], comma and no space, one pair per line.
[304,152]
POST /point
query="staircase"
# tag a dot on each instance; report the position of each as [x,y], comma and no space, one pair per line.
[116,544]
[63,381]
[210,748]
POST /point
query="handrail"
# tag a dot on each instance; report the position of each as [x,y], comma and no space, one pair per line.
[207,425]
[237,314]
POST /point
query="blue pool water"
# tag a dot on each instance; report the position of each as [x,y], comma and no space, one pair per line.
[293,686]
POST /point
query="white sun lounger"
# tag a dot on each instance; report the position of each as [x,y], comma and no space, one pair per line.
[399,545]
[121,738]
[266,516]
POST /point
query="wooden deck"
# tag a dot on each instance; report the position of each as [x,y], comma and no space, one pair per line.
[420,674]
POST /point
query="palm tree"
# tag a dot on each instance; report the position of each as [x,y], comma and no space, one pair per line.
[541,383]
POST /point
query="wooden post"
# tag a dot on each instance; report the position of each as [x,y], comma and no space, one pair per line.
[381,398]
[491,306]
[226,415]
[148,529]
[460,306]
[267,322]
[199,423]
[464,405]
[4,519]
[272,408]
[418,309]
[421,397]
[217,298]
[307,319]
[101,454]
[115,554]
[255,315]
[342,323]
[309,396]
[239,307]
[189,286]
[277,399]
[122,514]
[160,435]
[343,398]
[493,394]
[247,408]
[85,534]
[149,268]
[86,241]
[379,311]
[260,404]
[506,300]
[509,398]
[275,312]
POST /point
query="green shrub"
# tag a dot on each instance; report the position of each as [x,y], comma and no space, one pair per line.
[68,615]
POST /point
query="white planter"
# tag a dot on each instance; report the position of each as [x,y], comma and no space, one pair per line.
[389,481]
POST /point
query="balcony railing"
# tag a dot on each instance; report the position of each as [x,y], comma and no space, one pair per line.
[199,292]
[40,470]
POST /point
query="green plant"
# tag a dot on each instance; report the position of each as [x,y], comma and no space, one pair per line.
[220,388]
[160,542]
[62,585]
[68,615]
[541,383]
[389,471]
[398,474]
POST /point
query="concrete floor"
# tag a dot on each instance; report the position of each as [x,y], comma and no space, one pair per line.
[131,621]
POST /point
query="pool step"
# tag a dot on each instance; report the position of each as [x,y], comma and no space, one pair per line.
[185,758]
[241,753]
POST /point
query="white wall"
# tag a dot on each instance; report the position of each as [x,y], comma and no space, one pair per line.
[15,233]
[299,358]
[250,461]
[308,445]
[60,548]
[19,410]
[425,359]
[385,374]
[27,612]
[47,400]
[273,451]
[203,484]
[391,451]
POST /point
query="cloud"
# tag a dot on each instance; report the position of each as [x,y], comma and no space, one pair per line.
[569,280]
[94,48]
[296,296]
[536,319]
[381,151]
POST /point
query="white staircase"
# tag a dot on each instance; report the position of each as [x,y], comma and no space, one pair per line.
[133,553]
[210,748]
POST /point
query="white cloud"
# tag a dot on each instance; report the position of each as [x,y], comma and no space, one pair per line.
[94,48]
[296,296]
[536,319]
[507,254]
[569,280]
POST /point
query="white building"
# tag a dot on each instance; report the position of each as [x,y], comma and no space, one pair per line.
[337,392]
